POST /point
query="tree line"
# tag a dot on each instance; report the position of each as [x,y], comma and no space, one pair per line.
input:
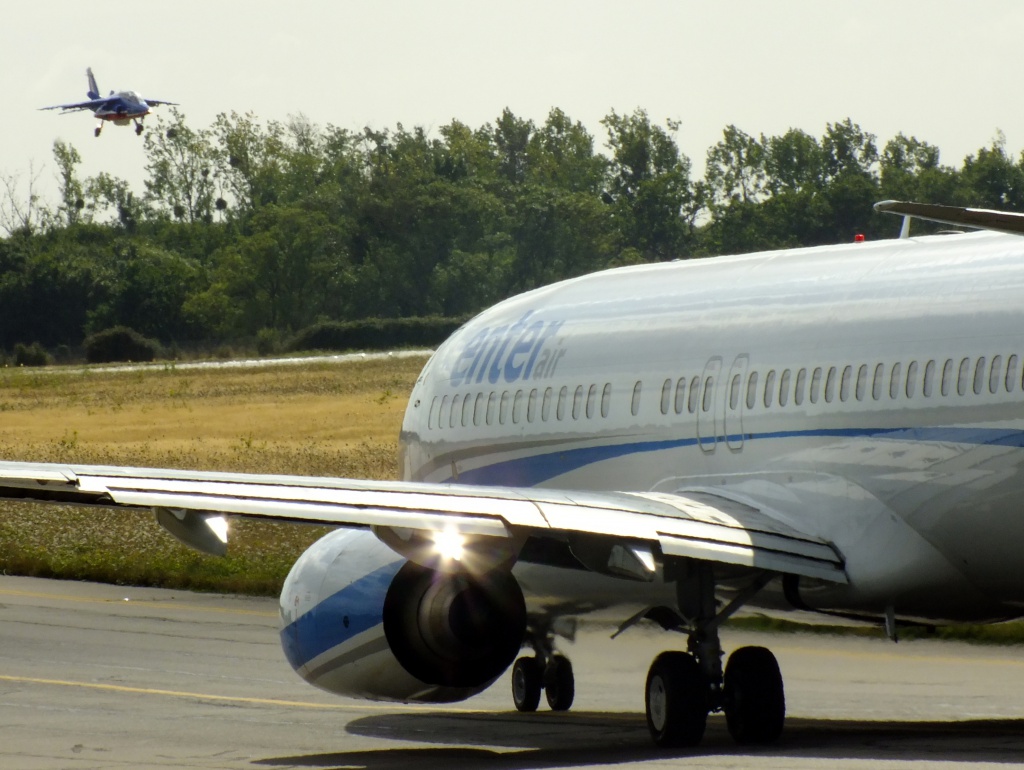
[249,230]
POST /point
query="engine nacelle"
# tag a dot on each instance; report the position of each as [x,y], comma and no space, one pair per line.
[359,620]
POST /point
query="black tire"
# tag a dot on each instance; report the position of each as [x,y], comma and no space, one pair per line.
[754,698]
[559,684]
[676,697]
[527,674]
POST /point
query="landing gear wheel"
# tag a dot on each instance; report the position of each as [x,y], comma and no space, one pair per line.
[96,131]
[677,700]
[754,700]
[138,129]
[527,674]
[559,685]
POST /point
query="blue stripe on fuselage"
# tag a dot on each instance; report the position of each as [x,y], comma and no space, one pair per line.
[536,469]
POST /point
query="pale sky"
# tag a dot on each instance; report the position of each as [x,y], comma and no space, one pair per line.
[944,71]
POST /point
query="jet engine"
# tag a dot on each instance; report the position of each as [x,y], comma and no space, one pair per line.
[359,620]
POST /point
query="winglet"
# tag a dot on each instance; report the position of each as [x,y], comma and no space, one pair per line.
[94,91]
[982,219]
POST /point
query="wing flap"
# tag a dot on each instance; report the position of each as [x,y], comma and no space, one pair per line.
[701,524]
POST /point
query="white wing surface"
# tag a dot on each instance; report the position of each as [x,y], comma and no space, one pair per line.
[701,525]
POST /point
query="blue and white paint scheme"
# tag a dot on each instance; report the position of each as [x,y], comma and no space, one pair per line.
[839,429]
[120,107]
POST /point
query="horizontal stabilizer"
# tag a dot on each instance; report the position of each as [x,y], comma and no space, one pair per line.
[981,219]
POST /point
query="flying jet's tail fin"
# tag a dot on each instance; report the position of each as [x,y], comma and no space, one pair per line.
[94,91]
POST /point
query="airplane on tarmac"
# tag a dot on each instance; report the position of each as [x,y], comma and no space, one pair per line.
[121,107]
[837,429]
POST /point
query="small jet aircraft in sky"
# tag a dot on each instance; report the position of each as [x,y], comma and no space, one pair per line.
[121,107]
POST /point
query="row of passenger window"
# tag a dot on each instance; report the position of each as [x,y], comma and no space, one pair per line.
[977,376]
[465,409]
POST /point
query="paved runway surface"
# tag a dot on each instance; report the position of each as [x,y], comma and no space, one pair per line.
[95,676]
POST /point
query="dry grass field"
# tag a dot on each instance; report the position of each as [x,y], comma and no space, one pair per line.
[329,419]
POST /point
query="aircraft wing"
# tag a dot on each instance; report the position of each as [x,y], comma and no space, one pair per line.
[91,104]
[151,102]
[701,525]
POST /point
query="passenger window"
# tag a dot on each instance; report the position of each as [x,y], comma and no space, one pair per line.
[911,379]
[531,406]
[862,382]
[453,418]
[752,390]
[995,374]
[492,400]
[634,407]
[947,377]
[876,383]
[503,408]
[545,407]
[443,412]
[1011,373]
[929,379]
[709,392]
[734,392]
[769,388]
[784,387]
[963,377]
[830,385]
[815,384]
[680,401]
[467,410]
[591,401]
[606,399]
[844,386]
[691,402]
[801,383]
[517,407]
[432,412]
[666,395]
[979,375]
[478,409]
[577,402]
[894,381]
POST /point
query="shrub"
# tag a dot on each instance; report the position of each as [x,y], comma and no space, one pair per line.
[375,334]
[119,343]
[30,355]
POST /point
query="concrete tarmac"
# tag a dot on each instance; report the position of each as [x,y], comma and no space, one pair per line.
[98,676]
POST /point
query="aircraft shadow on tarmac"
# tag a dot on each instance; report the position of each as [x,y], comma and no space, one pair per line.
[547,740]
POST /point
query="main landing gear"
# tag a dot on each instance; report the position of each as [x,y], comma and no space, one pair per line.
[684,687]
[545,670]
[138,127]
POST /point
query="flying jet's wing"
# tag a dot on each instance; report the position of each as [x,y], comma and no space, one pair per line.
[92,104]
[152,102]
[701,525]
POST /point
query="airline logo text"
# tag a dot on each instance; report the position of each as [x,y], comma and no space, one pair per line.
[525,350]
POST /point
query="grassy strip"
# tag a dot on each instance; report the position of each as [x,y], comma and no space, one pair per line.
[1011,632]
[308,419]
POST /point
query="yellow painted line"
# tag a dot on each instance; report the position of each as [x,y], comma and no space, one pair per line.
[204,696]
[135,603]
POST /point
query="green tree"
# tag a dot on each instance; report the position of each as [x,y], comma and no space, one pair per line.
[182,164]
[649,186]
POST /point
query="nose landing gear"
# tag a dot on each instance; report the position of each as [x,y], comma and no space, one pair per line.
[547,671]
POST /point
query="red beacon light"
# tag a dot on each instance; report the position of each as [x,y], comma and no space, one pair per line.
[858,238]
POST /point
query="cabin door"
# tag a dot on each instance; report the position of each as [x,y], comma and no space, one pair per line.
[707,408]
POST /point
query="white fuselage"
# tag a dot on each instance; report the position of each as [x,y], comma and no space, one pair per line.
[872,393]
